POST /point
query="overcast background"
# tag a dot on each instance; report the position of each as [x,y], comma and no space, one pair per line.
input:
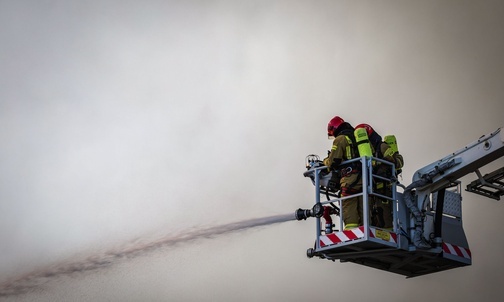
[136,119]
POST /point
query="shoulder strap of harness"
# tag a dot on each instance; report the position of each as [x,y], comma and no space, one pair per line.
[349,133]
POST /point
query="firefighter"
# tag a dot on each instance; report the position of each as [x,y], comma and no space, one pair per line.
[343,149]
[382,208]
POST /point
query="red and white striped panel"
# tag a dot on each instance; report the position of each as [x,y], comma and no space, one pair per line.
[343,236]
[383,235]
[456,250]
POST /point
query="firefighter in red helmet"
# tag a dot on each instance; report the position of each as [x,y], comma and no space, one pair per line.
[343,149]
[382,208]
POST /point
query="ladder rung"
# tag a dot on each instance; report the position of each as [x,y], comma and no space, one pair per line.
[489,185]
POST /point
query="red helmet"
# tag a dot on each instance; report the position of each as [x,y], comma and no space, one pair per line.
[334,123]
[369,129]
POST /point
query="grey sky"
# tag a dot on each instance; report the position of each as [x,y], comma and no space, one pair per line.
[124,120]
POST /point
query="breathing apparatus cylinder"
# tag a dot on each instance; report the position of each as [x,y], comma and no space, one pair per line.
[362,140]
[392,142]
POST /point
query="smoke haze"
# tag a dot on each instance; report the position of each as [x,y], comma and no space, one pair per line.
[123,120]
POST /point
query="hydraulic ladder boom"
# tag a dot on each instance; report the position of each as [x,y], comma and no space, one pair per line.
[439,175]
[462,162]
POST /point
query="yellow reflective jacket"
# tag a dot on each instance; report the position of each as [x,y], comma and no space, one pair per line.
[341,150]
[389,155]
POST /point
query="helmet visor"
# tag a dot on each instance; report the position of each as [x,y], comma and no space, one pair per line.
[330,132]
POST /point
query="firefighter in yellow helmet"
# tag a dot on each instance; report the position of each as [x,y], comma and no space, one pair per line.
[343,148]
[382,209]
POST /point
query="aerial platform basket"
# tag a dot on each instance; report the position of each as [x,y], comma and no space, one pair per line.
[427,234]
[385,253]
[385,249]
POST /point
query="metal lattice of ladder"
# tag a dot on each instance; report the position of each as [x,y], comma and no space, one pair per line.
[491,185]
